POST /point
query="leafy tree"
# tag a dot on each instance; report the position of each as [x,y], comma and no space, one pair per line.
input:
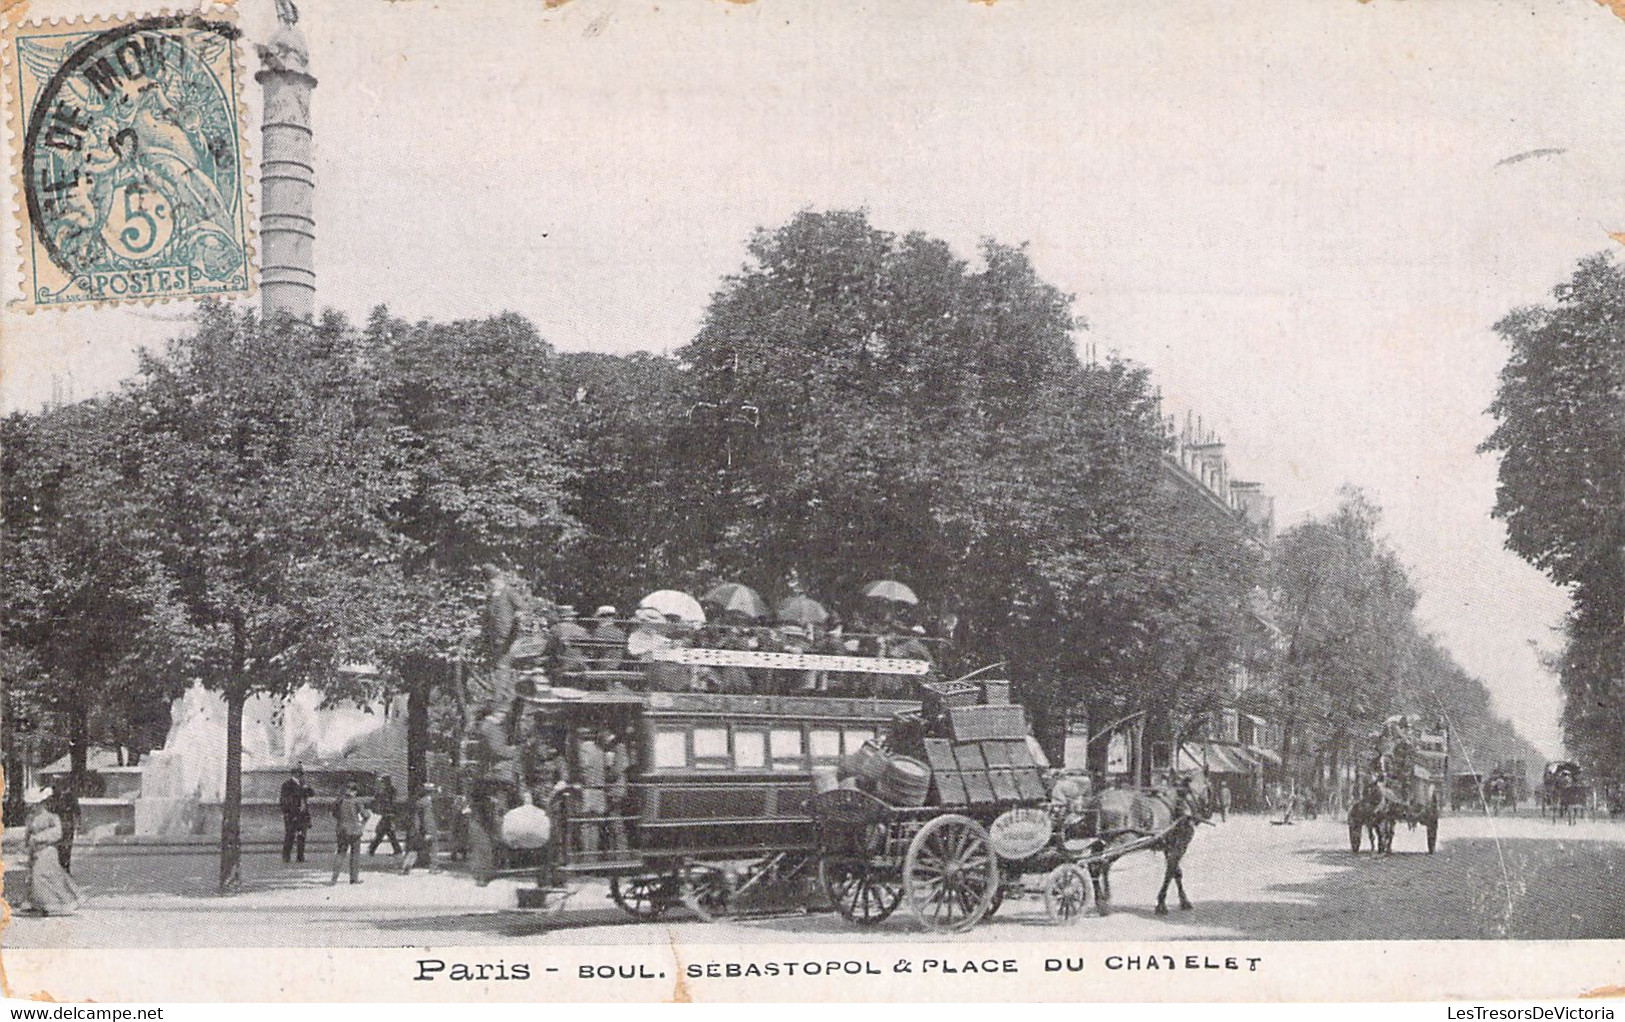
[263,455]
[1344,605]
[481,456]
[877,406]
[630,488]
[80,577]
[1561,437]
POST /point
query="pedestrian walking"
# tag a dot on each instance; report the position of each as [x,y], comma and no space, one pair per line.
[51,891]
[65,805]
[1224,800]
[383,803]
[351,820]
[295,802]
[423,839]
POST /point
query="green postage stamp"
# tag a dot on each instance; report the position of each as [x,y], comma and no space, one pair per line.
[129,160]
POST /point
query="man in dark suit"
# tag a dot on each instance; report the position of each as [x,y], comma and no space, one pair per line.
[295,802]
[383,803]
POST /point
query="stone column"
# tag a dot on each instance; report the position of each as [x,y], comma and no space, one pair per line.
[287,178]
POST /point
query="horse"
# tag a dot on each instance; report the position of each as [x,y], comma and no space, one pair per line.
[1571,796]
[1373,813]
[1127,815]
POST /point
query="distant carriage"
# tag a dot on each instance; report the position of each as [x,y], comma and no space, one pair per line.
[1564,793]
[1468,790]
[1501,794]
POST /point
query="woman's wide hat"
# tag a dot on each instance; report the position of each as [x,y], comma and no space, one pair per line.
[34,796]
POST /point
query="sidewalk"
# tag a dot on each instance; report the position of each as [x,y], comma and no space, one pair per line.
[308,888]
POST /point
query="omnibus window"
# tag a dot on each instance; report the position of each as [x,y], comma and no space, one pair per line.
[855,740]
[825,744]
[787,754]
[711,747]
[750,749]
[671,750]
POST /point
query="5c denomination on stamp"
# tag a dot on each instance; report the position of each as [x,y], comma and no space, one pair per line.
[131,162]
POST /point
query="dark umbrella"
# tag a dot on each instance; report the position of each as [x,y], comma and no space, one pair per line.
[893,592]
[800,610]
[731,596]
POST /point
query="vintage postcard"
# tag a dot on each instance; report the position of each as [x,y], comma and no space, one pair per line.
[813,500]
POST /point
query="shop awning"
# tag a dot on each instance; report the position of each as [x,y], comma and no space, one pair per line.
[1265,754]
[1217,758]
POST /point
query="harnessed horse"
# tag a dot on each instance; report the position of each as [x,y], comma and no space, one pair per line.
[1128,815]
[1374,813]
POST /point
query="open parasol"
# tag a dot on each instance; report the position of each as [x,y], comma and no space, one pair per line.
[671,603]
[735,598]
[800,610]
[894,592]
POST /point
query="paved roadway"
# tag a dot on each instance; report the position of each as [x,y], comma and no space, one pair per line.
[1505,877]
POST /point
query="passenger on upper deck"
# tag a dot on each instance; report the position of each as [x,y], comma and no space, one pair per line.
[606,630]
[734,634]
[564,653]
[791,639]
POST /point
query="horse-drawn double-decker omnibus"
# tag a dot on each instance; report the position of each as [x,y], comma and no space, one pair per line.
[709,808]
[1405,783]
[808,791]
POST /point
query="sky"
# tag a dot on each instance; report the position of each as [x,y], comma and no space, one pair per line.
[1297,214]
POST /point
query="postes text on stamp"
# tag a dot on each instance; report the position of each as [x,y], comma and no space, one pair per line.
[131,160]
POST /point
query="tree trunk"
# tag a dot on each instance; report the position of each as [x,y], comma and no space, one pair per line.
[231,810]
[78,743]
[13,809]
[419,685]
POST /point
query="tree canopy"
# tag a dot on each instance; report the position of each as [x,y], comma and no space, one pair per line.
[1560,435]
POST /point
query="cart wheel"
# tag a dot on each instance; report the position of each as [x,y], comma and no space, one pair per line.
[645,896]
[950,874]
[862,893]
[1354,835]
[1066,893]
[993,906]
[1433,834]
[708,892]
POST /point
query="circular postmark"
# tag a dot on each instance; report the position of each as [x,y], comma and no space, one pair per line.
[131,164]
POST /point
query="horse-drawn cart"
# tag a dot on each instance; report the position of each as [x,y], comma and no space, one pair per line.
[989,829]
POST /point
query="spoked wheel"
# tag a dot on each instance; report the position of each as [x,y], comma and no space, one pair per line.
[708,892]
[950,874]
[1066,893]
[645,895]
[862,894]
[993,906]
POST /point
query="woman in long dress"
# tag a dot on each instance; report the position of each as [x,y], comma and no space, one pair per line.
[51,891]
